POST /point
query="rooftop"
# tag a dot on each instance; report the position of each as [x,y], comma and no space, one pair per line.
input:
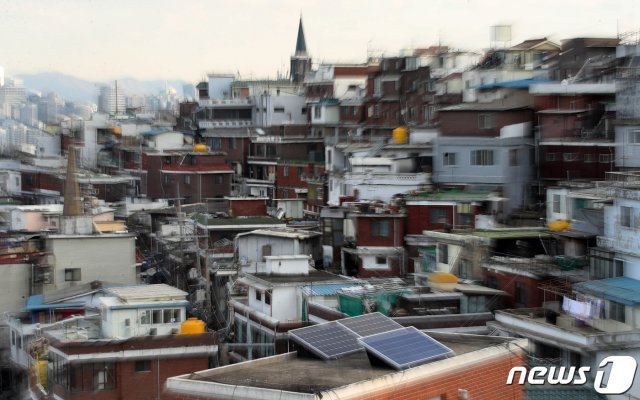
[156,292]
[292,373]
[621,289]
[284,232]
[313,276]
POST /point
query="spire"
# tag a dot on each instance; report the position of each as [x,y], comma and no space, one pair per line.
[72,204]
[301,44]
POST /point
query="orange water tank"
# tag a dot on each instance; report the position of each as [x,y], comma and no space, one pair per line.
[400,135]
[116,130]
[200,147]
[442,277]
[192,326]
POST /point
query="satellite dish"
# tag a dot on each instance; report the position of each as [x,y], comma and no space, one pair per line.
[260,131]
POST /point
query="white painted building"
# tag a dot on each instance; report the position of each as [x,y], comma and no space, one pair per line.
[253,248]
[142,310]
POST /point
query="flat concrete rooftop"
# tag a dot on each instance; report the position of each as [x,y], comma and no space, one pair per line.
[294,373]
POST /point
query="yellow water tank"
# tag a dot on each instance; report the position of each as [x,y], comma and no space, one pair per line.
[442,277]
[200,147]
[559,225]
[192,326]
[116,130]
[400,135]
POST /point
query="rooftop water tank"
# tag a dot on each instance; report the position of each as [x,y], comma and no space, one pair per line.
[200,147]
[400,135]
[192,326]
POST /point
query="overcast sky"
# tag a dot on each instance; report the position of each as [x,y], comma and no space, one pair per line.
[162,39]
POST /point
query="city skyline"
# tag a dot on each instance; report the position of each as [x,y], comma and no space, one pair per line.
[171,40]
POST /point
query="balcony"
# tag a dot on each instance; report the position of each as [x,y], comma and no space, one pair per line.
[230,123]
[564,330]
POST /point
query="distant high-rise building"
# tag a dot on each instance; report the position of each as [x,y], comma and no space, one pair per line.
[1,76]
[12,93]
[112,100]
[189,91]
[300,61]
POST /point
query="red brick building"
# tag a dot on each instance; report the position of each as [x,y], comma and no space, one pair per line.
[135,368]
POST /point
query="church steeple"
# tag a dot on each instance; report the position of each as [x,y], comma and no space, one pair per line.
[301,44]
[300,61]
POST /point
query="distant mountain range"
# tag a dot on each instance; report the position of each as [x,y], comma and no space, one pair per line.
[76,89]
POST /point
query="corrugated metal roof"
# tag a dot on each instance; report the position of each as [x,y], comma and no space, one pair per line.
[36,303]
[621,289]
[148,292]
[329,289]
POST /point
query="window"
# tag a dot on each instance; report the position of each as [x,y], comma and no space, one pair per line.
[266,251]
[380,228]
[634,136]
[513,157]
[449,159]
[381,260]
[492,282]
[167,178]
[300,171]
[604,158]
[142,366]
[156,316]
[616,311]
[438,216]
[219,179]
[443,253]
[521,294]
[485,121]
[626,217]
[258,295]
[278,109]
[482,157]
[167,160]
[233,143]
[285,170]
[317,112]
[215,143]
[551,157]
[187,179]
[267,298]
[145,317]
[556,203]
[72,274]
[569,157]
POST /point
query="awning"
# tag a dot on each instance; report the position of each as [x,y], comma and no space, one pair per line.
[621,290]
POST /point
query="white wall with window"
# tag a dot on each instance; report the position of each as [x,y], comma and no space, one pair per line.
[162,318]
[627,153]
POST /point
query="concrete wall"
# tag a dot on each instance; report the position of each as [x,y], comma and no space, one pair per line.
[105,258]
[14,287]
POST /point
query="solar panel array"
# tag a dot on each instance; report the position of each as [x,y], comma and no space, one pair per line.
[327,341]
[369,324]
[404,348]
[381,336]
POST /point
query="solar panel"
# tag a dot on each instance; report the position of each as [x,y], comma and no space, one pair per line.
[327,341]
[405,348]
[369,324]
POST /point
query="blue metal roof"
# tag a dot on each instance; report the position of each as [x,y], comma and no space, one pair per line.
[327,289]
[621,289]
[35,303]
[157,131]
[517,84]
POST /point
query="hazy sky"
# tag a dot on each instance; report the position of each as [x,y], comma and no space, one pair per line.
[162,39]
